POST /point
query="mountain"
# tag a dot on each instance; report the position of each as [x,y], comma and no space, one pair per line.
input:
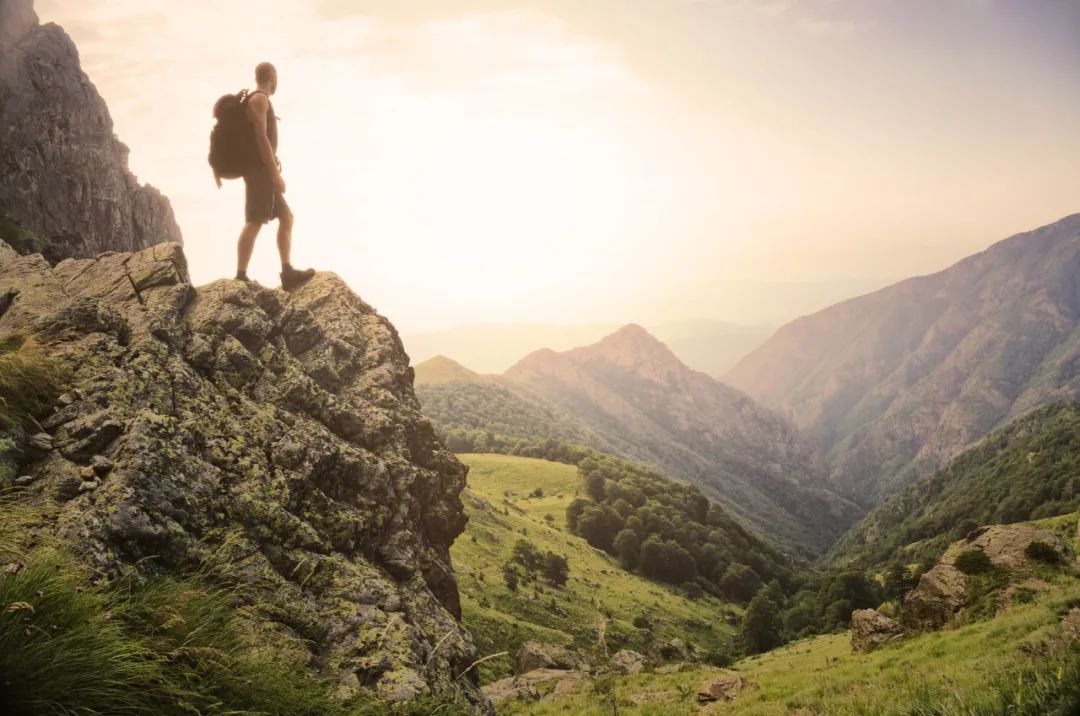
[276,430]
[441,369]
[893,384]
[707,345]
[630,389]
[1029,469]
[65,187]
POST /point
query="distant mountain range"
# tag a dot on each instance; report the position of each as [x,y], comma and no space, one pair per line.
[630,395]
[710,346]
[893,384]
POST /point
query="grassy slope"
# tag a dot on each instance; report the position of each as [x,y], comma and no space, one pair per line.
[441,369]
[1004,665]
[500,619]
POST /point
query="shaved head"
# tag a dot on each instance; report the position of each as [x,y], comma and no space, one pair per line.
[265,72]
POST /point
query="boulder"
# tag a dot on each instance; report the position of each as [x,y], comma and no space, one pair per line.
[935,601]
[674,650]
[626,661]
[530,685]
[725,687]
[535,655]
[871,629]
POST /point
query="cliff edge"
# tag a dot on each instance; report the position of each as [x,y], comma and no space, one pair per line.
[277,430]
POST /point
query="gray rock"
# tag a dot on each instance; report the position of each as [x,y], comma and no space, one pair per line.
[23,480]
[101,465]
[63,173]
[939,596]
[871,629]
[626,661]
[40,441]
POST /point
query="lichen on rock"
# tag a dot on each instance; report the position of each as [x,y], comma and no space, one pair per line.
[274,434]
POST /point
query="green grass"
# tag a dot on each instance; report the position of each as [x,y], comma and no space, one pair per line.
[598,588]
[29,382]
[1008,665]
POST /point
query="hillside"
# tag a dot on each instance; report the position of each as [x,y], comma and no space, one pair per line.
[502,507]
[1024,660]
[65,187]
[274,432]
[893,384]
[632,391]
[465,408]
[1026,470]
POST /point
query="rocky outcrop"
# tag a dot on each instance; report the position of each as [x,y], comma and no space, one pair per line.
[535,655]
[273,435]
[1005,545]
[871,629]
[63,173]
[942,591]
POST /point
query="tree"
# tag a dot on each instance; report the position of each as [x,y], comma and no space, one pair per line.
[573,512]
[666,561]
[761,625]
[896,582]
[739,583]
[510,576]
[598,526]
[594,486]
[628,547]
[556,569]
[527,555]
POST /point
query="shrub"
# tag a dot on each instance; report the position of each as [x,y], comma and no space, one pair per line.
[1039,551]
[973,561]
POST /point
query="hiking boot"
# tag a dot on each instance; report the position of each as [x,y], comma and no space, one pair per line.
[292,278]
[241,276]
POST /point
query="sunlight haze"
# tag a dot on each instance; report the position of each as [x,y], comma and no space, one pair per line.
[469,161]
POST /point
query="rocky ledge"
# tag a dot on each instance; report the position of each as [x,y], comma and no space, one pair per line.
[276,432]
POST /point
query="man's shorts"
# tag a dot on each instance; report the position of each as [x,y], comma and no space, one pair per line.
[261,201]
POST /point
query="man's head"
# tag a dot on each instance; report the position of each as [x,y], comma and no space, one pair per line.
[266,77]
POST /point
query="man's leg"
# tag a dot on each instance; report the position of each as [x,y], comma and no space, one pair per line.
[284,235]
[245,246]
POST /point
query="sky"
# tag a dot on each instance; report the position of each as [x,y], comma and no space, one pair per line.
[577,161]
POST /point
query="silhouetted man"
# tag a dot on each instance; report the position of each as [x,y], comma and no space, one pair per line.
[264,187]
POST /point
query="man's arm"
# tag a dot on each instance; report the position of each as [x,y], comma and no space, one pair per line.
[259,106]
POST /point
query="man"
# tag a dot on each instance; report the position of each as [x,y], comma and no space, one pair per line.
[264,187]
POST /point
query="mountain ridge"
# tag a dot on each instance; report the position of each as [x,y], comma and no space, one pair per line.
[892,384]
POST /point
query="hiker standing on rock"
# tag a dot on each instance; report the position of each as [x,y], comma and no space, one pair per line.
[243,144]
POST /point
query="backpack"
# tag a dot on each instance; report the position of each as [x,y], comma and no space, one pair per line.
[232,140]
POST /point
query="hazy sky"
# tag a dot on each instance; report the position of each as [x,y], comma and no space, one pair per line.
[605,160]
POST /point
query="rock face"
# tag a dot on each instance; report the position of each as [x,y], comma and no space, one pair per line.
[871,629]
[63,173]
[634,392]
[276,434]
[535,655]
[895,383]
